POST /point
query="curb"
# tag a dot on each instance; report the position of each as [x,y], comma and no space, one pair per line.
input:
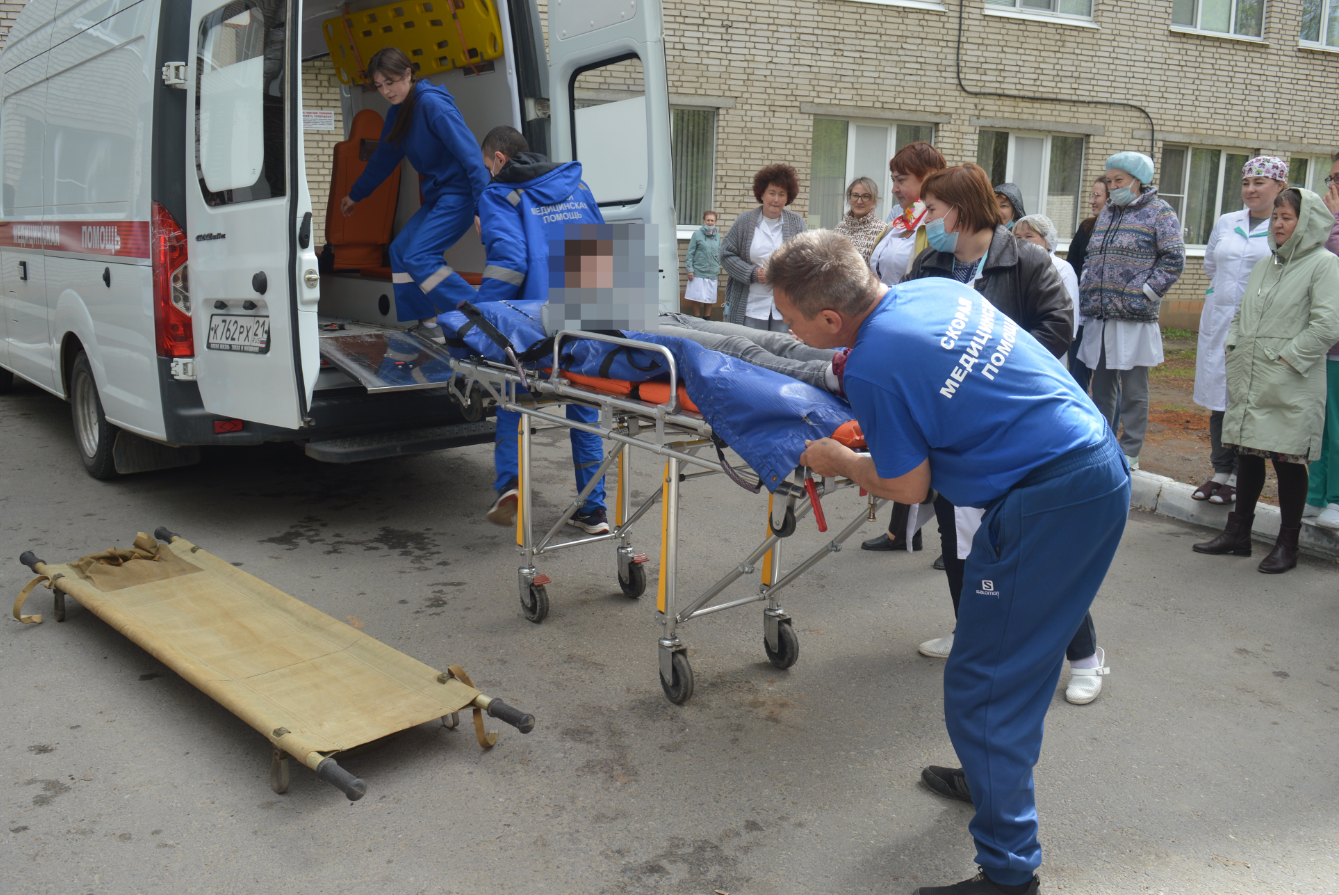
[1168,497]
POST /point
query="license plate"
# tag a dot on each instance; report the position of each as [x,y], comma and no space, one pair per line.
[249,334]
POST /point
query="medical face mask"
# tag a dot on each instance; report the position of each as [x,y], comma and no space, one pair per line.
[1122,196]
[939,240]
[710,231]
[1010,225]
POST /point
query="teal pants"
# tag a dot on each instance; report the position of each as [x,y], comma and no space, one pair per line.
[1324,473]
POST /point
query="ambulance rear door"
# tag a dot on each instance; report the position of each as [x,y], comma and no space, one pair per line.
[609,108]
[254,286]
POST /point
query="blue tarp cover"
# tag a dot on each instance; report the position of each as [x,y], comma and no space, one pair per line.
[764,416]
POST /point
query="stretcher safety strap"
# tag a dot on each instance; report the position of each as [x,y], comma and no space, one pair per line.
[45,581]
[486,739]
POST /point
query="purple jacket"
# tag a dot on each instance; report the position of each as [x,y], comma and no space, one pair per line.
[1134,256]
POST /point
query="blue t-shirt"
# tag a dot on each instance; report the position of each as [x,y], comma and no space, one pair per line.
[937,372]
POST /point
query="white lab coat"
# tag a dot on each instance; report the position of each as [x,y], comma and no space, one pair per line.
[1231,254]
[1071,281]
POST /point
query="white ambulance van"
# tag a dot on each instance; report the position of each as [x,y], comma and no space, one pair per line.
[158,256]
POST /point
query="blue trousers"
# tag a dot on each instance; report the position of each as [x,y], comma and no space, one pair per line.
[1037,561]
[425,285]
[587,452]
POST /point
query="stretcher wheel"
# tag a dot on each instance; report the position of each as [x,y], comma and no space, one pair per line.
[787,646]
[680,689]
[635,584]
[535,602]
[473,411]
[787,524]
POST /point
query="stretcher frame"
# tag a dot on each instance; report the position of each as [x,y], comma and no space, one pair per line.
[677,436]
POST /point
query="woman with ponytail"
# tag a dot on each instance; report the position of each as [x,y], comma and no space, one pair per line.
[424,125]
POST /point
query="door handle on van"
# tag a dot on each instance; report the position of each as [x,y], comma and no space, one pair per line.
[23,270]
[305,231]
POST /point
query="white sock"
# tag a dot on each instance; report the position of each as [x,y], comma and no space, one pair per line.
[1090,662]
[830,380]
[430,323]
[1232,480]
[1220,477]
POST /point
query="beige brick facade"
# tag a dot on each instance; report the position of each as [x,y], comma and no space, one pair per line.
[320,90]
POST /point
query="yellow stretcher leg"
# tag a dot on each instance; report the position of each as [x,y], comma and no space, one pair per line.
[767,557]
[664,538]
[520,487]
[622,483]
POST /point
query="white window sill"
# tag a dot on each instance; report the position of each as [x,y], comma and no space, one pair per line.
[1220,35]
[683,234]
[1048,18]
[930,5]
[1315,47]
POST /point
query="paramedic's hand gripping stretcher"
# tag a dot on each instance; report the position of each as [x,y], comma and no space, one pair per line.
[657,391]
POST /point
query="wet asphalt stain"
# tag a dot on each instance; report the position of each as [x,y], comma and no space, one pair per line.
[691,865]
[614,765]
[42,748]
[419,547]
[150,676]
[51,789]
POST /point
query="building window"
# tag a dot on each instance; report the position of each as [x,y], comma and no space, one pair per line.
[1244,18]
[1083,8]
[693,150]
[1200,185]
[844,150]
[1320,22]
[1309,173]
[1048,170]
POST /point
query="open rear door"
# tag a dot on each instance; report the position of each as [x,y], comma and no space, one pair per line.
[610,111]
[248,227]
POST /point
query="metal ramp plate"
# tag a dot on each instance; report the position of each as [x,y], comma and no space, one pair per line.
[386,360]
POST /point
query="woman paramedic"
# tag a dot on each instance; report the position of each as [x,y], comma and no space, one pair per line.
[424,124]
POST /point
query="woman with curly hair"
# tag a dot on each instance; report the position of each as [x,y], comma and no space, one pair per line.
[751,241]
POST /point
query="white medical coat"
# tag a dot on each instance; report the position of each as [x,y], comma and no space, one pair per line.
[1228,260]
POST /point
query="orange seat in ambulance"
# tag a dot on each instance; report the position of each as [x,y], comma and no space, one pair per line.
[359,241]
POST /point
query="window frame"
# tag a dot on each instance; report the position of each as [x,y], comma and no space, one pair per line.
[686,231]
[890,147]
[575,131]
[1328,9]
[1015,9]
[1010,177]
[1223,153]
[1318,168]
[1197,28]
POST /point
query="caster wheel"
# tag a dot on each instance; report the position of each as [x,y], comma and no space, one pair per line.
[681,688]
[635,584]
[787,525]
[535,603]
[787,646]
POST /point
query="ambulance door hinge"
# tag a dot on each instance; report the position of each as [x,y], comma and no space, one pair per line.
[183,368]
[536,107]
[174,74]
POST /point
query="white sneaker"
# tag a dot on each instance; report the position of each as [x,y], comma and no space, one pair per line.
[939,648]
[1133,461]
[1329,517]
[1086,683]
[1310,512]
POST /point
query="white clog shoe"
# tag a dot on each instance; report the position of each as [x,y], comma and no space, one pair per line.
[1086,683]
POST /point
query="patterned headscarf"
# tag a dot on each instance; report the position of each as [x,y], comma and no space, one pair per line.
[1266,166]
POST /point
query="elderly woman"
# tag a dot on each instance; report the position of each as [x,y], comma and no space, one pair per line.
[861,225]
[1288,318]
[751,241]
[1041,230]
[1135,255]
[904,238]
[1239,239]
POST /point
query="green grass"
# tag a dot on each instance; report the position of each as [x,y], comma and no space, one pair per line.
[1178,334]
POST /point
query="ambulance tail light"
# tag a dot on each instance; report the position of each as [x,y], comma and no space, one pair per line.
[171,287]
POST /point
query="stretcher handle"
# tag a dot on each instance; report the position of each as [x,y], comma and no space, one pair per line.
[813,499]
[332,773]
[163,534]
[522,721]
[29,559]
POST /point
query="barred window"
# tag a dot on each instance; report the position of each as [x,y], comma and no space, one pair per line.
[693,139]
[843,150]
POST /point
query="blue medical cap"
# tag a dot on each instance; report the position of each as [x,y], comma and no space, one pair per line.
[1136,164]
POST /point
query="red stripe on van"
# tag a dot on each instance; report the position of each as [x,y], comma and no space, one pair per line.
[121,239]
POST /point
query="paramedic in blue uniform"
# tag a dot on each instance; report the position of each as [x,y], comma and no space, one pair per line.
[424,125]
[529,203]
[975,407]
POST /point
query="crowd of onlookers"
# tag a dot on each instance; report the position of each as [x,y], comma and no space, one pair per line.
[1268,350]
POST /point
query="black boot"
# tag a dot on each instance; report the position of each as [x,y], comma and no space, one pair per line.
[1235,539]
[1284,555]
[896,538]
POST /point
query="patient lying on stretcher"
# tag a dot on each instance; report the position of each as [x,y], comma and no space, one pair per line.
[775,351]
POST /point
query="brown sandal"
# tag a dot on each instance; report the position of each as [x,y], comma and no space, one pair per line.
[1207,490]
[1225,495]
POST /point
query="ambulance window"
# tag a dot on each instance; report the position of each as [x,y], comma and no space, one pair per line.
[609,129]
[239,102]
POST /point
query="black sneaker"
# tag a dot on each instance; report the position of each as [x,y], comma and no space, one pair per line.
[590,521]
[939,563]
[981,885]
[886,541]
[503,511]
[951,783]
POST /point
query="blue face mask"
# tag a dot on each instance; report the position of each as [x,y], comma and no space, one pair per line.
[1010,225]
[710,231]
[1122,196]
[939,240]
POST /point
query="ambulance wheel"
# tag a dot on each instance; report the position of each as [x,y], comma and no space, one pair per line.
[680,689]
[92,433]
[787,646]
[635,584]
[6,381]
[535,603]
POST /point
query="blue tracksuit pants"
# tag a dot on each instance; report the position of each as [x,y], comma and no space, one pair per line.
[1037,561]
[587,451]
[425,285]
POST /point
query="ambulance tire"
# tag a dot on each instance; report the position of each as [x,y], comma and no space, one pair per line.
[787,646]
[93,435]
[6,382]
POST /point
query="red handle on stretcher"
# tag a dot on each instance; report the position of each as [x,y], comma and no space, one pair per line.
[813,499]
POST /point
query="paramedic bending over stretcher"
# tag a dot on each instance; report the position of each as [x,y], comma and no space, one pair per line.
[424,124]
[950,392]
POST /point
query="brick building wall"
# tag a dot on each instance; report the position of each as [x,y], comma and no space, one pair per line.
[320,91]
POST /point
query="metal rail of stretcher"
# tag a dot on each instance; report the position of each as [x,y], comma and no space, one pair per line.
[677,436]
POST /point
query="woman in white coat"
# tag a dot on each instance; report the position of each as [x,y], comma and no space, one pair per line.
[1239,239]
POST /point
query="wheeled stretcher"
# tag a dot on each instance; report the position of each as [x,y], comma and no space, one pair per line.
[659,418]
[311,685]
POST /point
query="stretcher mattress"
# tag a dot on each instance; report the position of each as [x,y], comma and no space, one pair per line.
[763,416]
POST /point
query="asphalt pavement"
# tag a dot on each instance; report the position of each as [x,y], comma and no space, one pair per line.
[1208,764]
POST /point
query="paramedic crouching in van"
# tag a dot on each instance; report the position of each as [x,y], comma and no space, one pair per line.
[978,409]
[519,220]
[424,124]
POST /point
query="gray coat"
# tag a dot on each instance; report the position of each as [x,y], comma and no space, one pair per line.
[735,256]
